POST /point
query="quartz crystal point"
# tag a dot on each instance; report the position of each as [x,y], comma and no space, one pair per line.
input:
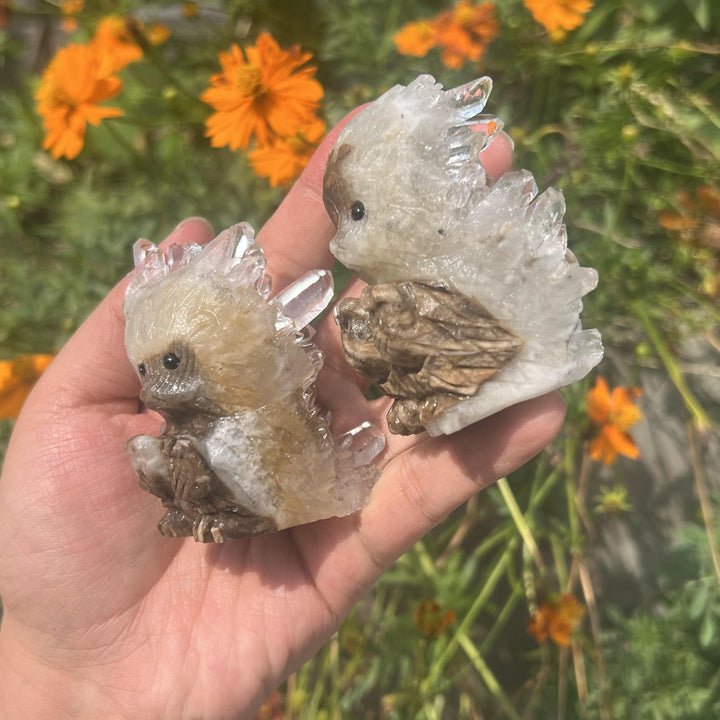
[474,300]
[245,450]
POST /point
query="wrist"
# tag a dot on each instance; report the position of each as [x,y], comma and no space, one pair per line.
[30,687]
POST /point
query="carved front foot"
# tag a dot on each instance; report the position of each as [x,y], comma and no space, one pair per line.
[227,524]
[409,417]
[175,523]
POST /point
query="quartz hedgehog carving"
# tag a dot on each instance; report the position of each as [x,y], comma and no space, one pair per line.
[474,299]
[245,450]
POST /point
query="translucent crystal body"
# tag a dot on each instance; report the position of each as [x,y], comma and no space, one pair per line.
[451,252]
[245,450]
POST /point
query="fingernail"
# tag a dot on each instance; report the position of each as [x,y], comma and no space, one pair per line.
[194,219]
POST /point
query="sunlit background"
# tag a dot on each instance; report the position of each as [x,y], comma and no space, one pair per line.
[587,585]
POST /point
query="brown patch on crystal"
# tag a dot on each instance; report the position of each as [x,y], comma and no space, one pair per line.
[336,194]
[428,347]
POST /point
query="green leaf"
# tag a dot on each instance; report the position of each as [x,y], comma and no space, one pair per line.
[708,631]
[701,12]
[699,602]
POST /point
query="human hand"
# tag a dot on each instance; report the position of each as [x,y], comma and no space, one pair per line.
[105,617]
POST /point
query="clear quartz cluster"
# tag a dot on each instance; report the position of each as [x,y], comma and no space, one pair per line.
[451,256]
[245,450]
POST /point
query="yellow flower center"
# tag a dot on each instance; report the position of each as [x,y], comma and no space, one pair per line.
[248,80]
[56,96]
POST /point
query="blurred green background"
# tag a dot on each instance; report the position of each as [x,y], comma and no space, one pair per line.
[622,112]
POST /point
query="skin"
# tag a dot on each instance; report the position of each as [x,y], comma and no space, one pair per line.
[105,617]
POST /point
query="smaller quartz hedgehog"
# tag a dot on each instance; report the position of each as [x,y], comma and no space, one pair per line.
[245,450]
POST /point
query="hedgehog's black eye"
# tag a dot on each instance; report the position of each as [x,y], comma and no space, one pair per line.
[171,361]
[357,211]
[142,369]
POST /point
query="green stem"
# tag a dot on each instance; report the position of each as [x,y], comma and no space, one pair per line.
[490,584]
[426,563]
[500,622]
[488,678]
[520,523]
[573,517]
[696,410]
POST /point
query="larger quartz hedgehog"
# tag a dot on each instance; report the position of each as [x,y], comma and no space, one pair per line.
[244,449]
[474,299]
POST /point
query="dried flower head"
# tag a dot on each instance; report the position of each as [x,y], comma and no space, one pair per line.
[263,91]
[558,15]
[157,33]
[431,620]
[17,378]
[697,225]
[68,97]
[615,413]
[556,619]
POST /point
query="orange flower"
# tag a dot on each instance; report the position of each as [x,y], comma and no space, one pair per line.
[114,44]
[70,89]
[17,378]
[431,620]
[463,33]
[415,38]
[556,619]
[556,15]
[615,413]
[263,92]
[283,159]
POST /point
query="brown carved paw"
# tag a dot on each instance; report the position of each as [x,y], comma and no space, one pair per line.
[427,346]
[175,523]
[192,479]
[227,524]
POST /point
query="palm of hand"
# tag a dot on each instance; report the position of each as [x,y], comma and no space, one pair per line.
[157,626]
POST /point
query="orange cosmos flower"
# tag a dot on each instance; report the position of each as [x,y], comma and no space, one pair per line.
[283,159]
[17,378]
[615,413]
[415,38]
[463,33]
[556,619]
[264,92]
[70,89]
[556,15]
[114,43]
